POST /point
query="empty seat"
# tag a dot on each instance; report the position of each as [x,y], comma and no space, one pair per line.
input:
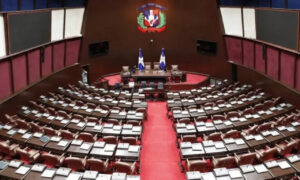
[75,163]
[224,162]
[201,119]
[65,134]
[199,165]
[216,136]
[251,130]
[22,124]
[97,165]
[286,149]
[218,117]
[130,140]
[134,122]
[232,114]
[78,116]
[184,120]
[110,139]
[243,159]
[126,167]
[189,138]
[264,127]
[50,132]
[28,155]
[144,111]
[114,121]
[35,127]
[51,160]
[87,137]
[231,134]
[264,155]
[92,119]
[7,149]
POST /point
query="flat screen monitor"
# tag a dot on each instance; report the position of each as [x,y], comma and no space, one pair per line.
[99,48]
[206,47]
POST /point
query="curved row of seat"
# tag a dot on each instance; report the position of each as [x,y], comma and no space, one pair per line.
[212,137]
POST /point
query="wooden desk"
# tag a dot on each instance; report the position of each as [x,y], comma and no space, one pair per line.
[278,172]
[236,145]
[151,75]
[55,148]
[78,151]
[123,152]
[103,151]
[185,129]
[294,160]
[191,150]
[255,141]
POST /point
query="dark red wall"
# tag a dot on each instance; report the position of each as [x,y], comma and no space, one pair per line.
[187,21]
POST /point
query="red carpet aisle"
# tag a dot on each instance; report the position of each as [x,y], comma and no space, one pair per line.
[159,158]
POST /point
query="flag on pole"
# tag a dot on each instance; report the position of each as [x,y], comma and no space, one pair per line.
[141,65]
[162,61]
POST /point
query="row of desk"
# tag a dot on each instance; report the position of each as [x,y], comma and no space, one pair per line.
[218,108]
[97,112]
[200,99]
[75,125]
[18,171]
[274,169]
[239,145]
[78,148]
[241,122]
[97,99]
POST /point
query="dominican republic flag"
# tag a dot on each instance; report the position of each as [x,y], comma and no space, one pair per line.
[162,61]
[141,65]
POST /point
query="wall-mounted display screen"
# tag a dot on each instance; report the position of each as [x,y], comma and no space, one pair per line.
[28,30]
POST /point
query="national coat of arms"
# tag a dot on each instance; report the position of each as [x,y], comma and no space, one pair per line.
[151,18]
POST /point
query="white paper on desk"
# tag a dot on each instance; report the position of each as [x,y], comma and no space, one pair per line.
[108,125]
[90,174]
[74,176]
[62,143]
[274,133]
[85,146]
[89,110]
[215,108]
[266,133]
[291,129]
[75,120]
[258,138]
[235,173]
[27,136]
[109,147]
[197,147]
[227,123]
[281,128]
[221,105]
[117,127]
[22,170]
[221,171]
[22,131]
[98,127]
[15,164]
[207,108]
[123,145]
[293,158]
[77,142]
[248,116]
[209,124]
[133,148]
[208,176]
[208,143]
[59,118]
[91,124]
[63,171]
[296,123]
[284,164]
[239,141]
[64,121]
[7,127]
[260,168]
[55,138]
[218,122]
[234,119]
[48,173]
[247,168]
[38,135]
[184,145]
[137,129]
[127,126]
[219,145]
[81,124]
[200,110]
[50,117]
[256,116]
[229,140]
[99,144]
[228,105]
[190,127]
[184,112]
[38,167]
[271,164]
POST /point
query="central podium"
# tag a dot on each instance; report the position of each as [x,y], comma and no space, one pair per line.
[151,75]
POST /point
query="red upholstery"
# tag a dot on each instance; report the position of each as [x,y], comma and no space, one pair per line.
[87,137]
[110,139]
[130,140]
[76,164]
[28,156]
[225,162]
[199,165]
[97,165]
[125,167]
[52,160]
[243,159]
